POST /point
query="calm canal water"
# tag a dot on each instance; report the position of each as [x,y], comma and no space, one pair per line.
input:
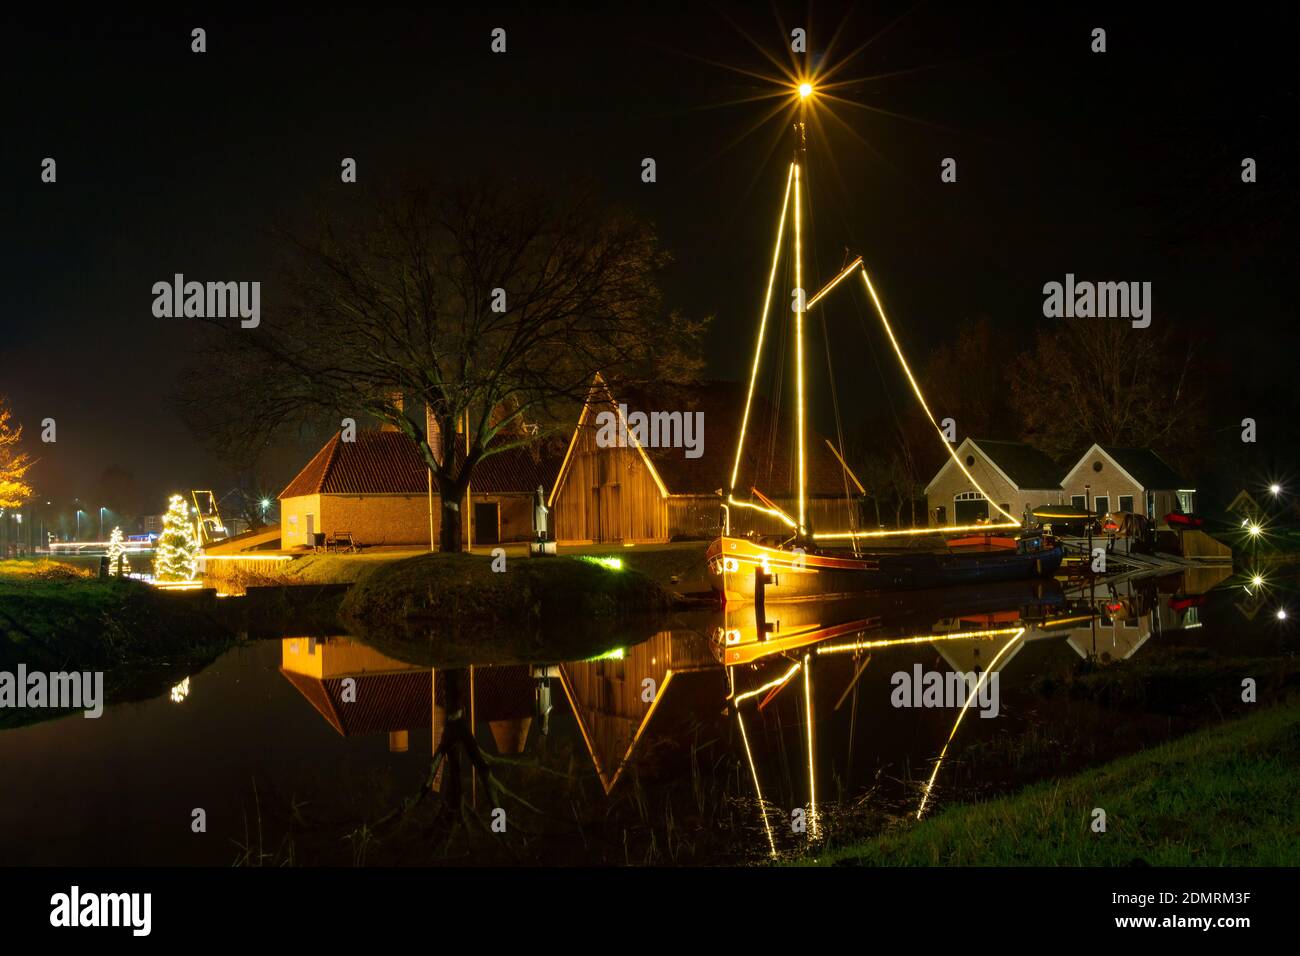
[306,749]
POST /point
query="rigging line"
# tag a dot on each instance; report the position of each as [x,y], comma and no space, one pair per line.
[926,408]
[762,327]
[880,372]
[774,419]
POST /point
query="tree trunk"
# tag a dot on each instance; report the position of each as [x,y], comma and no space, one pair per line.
[449,537]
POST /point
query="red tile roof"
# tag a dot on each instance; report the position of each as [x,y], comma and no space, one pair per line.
[387,462]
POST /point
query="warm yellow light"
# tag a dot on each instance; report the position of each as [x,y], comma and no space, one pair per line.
[931,638]
[812,776]
[762,327]
[758,791]
[805,90]
[798,349]
[893,532]
[794,669]
[1255,530]
[1257,580]
[779,515]
[880,311]
[984,676]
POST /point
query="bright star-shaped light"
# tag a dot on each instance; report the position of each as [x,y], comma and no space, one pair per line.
[1276,489]
[1281,614]
[805,90]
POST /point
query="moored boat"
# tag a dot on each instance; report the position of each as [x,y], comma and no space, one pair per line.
[736,564]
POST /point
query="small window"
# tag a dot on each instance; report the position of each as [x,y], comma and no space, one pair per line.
[1079,501]
[970,461]
[1125,502]
[1096,465]
[1101,504]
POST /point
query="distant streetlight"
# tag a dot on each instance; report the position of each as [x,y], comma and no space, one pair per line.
[1276,489]
[101,522]
[1281,614]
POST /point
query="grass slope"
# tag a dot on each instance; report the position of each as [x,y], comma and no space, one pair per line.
[57,618]
[1224,796]
[462,589]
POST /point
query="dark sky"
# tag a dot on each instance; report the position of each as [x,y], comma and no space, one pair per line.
[1123,165]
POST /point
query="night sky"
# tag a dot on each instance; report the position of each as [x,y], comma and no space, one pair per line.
[1123,166]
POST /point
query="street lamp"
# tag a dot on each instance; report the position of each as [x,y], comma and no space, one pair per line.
[1276,489]
[101,522]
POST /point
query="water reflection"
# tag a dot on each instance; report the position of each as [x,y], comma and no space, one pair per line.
[793,695]
[721,737]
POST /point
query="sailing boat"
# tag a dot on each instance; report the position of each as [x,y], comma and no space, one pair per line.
[813,563]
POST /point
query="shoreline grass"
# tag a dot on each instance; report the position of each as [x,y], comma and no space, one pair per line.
[1221,796]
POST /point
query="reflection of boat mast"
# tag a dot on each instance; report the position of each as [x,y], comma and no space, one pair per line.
[970,698]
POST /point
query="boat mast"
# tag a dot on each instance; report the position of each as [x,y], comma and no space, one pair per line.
[800,304]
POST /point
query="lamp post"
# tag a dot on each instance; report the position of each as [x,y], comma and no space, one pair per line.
[101,522]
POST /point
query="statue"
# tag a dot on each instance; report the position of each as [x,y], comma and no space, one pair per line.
[541,515]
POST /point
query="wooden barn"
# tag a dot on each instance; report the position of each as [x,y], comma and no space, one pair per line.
[633,492]
[377,489]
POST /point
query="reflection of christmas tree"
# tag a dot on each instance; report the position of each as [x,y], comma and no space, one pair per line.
[177,557]
[116,551]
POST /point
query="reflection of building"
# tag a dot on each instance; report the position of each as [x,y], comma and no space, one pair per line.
[386,697]
[392,697]
[615,699]
[1019,476]
[1132,611]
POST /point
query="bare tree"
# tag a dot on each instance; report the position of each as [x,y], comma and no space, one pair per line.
[491,305]
[1101,380]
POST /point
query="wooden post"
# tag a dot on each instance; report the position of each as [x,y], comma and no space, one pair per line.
[761,580]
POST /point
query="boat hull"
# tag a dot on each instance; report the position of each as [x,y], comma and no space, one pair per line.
[789,575]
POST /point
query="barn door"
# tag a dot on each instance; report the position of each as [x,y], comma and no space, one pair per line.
[487,522]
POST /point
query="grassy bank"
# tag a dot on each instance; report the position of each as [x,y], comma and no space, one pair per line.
[56,617]
[1221,796]
[537,609]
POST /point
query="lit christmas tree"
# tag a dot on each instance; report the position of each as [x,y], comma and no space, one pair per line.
[177,557]
[116,550]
